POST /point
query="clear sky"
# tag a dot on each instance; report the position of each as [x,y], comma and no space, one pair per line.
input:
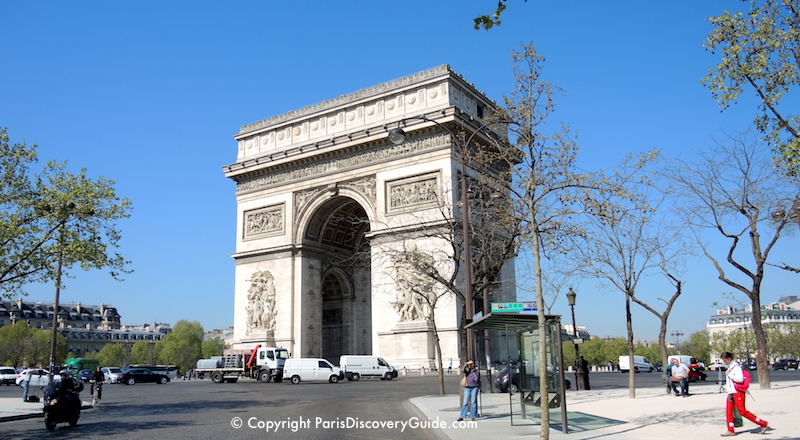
[150,93]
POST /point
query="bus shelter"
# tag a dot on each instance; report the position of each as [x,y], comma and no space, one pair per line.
[522,344]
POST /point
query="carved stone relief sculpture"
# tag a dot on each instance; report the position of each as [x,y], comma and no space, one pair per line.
[414,289]
[263,222]
[261,304]
[413,193]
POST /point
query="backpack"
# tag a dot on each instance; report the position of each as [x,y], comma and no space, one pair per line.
[743,385]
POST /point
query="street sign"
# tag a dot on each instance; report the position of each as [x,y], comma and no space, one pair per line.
[513,307]
[578,341]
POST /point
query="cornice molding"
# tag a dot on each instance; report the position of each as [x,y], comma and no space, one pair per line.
[343,100]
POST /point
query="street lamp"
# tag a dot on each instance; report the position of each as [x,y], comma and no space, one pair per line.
[398,136]
[579,379]
[677,334]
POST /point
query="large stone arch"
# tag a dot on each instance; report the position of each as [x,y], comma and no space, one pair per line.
[299,176]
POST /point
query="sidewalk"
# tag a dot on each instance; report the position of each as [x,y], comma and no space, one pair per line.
[596,414]
[13,408]
[652,414]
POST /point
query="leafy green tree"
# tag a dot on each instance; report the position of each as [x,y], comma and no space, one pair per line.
[112,355]
[760,51]
[213,347]
[785,342]
[54,220]
[14,342]
[39,349]
[143,352]
[741,343]
[22,345]
[184,346]
[698,346]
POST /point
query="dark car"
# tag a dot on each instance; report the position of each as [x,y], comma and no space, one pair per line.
[504,385]
[785,364]
[85,375]
[131,377]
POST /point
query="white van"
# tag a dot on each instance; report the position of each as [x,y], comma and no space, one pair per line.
[358,366]
[640,364]
[311,370]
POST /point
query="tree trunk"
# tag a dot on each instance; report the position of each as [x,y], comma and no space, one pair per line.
[631,362]
[545,396]
[438,351]
[761,344]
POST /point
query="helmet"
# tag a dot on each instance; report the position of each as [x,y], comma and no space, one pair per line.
[64,372]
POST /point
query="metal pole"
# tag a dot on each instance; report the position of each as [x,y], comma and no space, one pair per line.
[578,367]
[466,251]
[55,318]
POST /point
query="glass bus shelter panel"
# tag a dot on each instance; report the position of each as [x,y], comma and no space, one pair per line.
[526,406]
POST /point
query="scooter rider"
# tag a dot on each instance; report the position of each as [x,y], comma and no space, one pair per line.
[62,404]
[65,387]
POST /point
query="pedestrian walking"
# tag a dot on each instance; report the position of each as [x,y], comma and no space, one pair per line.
[736,396]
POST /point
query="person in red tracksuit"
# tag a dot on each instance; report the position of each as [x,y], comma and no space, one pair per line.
[736,398]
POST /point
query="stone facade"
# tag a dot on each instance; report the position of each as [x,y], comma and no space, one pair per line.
[324,205]
[86,327]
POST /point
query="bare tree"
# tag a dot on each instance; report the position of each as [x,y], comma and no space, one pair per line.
[626,241]
[550,194]
[428,263]
[735,190]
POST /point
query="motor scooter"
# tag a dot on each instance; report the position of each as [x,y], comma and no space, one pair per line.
[62,403]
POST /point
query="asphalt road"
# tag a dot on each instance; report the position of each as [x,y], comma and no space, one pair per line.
[204,410]
[245,410]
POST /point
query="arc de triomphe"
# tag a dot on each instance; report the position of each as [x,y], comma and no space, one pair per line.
[324,202]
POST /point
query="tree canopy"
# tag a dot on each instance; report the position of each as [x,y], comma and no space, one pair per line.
[54,216]
[184,346]
[760,52]
[22,345]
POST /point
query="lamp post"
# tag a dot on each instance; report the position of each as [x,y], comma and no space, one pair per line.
[677,334]
[398,136]
[579,376]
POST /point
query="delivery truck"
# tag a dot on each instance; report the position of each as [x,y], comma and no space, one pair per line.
[261,363]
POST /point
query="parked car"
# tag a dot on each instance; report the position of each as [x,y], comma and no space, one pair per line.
[39,378]
[510,384]
[111,374]
[85,375]
[131,377]
[8,375]
[785,364]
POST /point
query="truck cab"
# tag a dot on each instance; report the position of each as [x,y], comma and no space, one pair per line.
[271,359]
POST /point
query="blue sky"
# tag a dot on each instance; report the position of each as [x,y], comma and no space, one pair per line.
[150,94]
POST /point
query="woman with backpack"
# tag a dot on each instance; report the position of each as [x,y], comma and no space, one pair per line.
[736,385]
